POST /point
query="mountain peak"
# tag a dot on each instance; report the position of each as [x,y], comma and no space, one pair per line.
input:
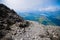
[2,5]
[8,16]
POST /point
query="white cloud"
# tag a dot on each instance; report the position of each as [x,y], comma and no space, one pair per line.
[25,4]
[22,4]
[49,8]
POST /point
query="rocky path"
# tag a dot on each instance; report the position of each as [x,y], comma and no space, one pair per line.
[35,31]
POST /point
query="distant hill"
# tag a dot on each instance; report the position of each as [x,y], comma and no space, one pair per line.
[47,17]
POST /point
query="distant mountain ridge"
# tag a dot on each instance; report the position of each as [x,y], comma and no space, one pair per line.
[52,16]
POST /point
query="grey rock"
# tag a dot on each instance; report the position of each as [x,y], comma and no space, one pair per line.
[8,17]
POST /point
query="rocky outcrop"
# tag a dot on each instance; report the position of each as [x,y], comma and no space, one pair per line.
[34,31]
[8,17]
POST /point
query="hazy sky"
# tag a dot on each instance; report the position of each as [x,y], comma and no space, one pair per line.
[24,5]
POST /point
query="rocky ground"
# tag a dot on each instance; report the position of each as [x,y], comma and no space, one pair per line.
[14,27]
[34,31]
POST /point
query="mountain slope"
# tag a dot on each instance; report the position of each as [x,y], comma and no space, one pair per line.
[34,31]
[8,17]
[14,27]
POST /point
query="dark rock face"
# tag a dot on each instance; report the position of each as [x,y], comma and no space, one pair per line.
[8,17]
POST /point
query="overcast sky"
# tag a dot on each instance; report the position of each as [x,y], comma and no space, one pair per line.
[24,5]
